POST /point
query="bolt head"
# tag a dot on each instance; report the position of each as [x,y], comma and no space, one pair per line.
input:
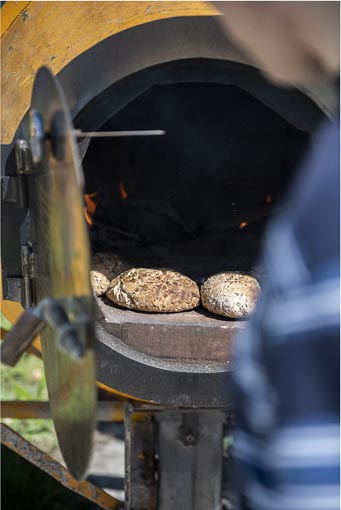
[36,136]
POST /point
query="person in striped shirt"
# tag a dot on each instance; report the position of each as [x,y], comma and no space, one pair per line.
[287,364]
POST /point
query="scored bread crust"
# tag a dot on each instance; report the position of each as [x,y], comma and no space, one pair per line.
[230,294]
[154,290]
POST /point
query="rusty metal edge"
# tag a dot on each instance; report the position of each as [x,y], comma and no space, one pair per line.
[50,466]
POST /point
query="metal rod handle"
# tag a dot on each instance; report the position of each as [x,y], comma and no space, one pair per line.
[114,134]
[17,341]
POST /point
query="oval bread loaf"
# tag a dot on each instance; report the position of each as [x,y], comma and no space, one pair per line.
[229,294]
[154,290]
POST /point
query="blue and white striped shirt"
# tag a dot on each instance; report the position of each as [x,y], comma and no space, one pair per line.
[287,364]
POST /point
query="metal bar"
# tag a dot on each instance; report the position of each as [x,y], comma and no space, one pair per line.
[25,266]
[140,464]
[107,411]
[25,410]
[34,351]
[195,441]
[50,466]
[110,411]
[113,134]
[20,337]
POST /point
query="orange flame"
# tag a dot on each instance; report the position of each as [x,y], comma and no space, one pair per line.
[90,206]
[243,224]
[123,192]
[268,199]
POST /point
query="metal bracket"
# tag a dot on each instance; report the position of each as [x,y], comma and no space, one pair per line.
[9,191]
[13,289]
[196,444]
[190,429]
[14,187]
[140,459]
[14,190]
[66,317]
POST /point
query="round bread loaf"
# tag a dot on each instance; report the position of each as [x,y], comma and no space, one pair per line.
[232,295]
[154,290]
[105,266]
[99,282]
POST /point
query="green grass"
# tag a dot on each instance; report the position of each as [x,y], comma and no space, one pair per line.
[23,485]
[26,381]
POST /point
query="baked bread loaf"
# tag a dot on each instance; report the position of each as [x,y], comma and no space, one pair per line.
[230,294]
[154,290]
[99,282]
[104,267]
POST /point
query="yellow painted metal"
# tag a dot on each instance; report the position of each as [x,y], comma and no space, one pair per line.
[25,409]
[9,12]
[110,411]
[119,394]
[39,409]
[12,311]
[50,466]
[54,33]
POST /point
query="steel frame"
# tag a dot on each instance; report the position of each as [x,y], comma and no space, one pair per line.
[50,466]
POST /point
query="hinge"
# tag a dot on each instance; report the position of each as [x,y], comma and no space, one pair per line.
[24,165]
[28,271]
[9,191]
[13,290]
[14,187]
[23,157]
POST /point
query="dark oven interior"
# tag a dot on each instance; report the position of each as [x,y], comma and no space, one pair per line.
[197,199]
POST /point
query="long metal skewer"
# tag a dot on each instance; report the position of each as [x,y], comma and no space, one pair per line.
[78,133]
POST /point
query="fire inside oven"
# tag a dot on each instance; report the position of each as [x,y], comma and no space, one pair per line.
[196,200]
